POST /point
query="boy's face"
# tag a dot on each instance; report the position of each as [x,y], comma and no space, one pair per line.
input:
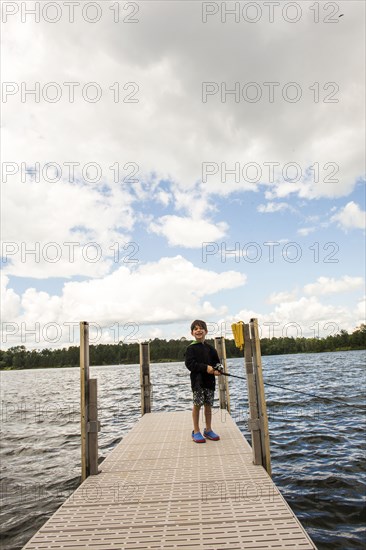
[199,333]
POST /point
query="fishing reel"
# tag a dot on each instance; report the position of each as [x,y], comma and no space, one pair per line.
[219,367]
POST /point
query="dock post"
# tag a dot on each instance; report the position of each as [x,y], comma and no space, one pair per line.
[253,420]
[261,400]
[93,427]
[146,397]
[224,395]
[84,396]
[88,409]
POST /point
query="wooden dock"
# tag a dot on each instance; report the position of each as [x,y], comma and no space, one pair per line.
[159,490]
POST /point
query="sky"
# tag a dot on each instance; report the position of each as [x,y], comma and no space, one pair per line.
[178,160]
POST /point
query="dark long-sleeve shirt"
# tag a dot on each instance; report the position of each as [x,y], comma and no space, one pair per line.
[197,357]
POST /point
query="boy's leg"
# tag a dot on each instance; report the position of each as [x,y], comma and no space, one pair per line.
[208,417]
[195,417]
[209,398]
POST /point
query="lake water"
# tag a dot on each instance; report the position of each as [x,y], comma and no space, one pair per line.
[317,446]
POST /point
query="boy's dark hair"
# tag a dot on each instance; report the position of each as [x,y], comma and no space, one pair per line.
[199,323]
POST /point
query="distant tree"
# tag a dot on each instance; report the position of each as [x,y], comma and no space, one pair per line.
[18,357]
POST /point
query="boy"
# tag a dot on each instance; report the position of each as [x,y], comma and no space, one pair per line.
[200,358]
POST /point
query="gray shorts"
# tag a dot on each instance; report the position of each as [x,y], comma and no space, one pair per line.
[203,396]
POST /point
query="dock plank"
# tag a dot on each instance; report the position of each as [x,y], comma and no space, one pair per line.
[159,490]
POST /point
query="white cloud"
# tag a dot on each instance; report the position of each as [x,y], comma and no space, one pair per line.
[164,197]
[10,301]
[279,297]
[171,131]
[40,307]
[310,317]
[155,333]
[167,291]
[306,315]
[188,232]
[48,229]
[328,285]
[303,309]
[271,207]
[350,217]
[304,231]
[196,203]
[361,310]
[159,300]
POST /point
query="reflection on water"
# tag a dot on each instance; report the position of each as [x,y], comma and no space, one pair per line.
[316,446]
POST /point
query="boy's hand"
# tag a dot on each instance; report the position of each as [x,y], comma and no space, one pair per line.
[211,370]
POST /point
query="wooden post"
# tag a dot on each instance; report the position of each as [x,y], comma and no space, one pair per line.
[261,400]
[253,421]
[84,396]
[88,409]
[93,427]
[224,395]
[146,397]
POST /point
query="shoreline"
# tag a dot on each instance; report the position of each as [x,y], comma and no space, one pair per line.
[161,361]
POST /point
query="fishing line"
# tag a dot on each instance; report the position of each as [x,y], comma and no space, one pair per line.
[317,396]
[295,391]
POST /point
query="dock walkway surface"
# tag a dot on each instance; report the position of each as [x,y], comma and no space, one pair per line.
[159,490]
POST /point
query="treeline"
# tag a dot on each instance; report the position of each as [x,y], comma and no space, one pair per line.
[162,351]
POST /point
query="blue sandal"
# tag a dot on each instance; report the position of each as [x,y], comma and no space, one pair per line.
[198,437]
[211,435]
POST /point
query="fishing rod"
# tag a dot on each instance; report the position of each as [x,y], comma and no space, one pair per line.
[220,368]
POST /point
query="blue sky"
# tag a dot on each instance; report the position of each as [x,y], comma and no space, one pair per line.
[165,138]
